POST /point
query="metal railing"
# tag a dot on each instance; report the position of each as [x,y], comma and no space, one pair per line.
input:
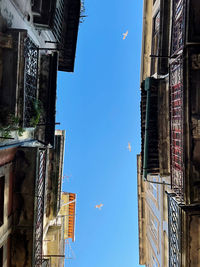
[46,263]
[59,20]
[174,230]
[176,109]
[31,55]
[39,209]
[178,26]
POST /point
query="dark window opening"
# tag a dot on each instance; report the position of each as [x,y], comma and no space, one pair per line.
[2,185]
[1,256]
[155,43]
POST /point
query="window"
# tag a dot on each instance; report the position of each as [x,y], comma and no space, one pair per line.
[2,185]
[153,188]
[155,43]
[154,261]
[154,225]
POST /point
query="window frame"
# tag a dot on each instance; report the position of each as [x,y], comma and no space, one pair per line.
[155,40]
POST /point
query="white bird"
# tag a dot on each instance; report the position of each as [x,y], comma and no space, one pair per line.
[99,206]
[125,35]
[129,147]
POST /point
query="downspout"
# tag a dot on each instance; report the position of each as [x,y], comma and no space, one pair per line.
[147,85]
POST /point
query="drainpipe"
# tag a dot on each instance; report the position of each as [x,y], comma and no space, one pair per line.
[147,86]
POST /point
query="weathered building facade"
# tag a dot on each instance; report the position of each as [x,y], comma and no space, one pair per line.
[33,223]
[169,128]
[37,38]
[33,48]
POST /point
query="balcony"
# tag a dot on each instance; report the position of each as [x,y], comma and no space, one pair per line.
[174,230]
[39,210]
[55,175]
[178,26]
[184,123]
[47,97]
[46,263]
[67,37]
[28,206]
[61,17]
[185,21]
[19,94]
[149,126]
[177,121]
[31,55]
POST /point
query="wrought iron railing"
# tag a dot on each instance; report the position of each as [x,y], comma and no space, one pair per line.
[31,55]
[39,209]
[59,193]
[176,108]
[59,20]
[46,263]
[174,231]
[178,26]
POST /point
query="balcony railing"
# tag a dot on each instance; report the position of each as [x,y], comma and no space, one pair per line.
[59,21]
[149,127]
[30,80]
[178,26]
[176,106]
[46,263]
[174,229]
[39,209]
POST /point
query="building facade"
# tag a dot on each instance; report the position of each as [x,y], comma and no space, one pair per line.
[169,160]
[37,38]
[32,51]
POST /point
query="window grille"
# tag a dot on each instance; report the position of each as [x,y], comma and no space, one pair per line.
[39,209]
[59,20]
[174,230]
[176,108]
[178,26]
[154,225]
[30,80]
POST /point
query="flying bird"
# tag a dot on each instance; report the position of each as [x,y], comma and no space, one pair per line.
[129,147]
[125,35]
[99,206]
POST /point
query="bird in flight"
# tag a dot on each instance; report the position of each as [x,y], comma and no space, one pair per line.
[129,147]
[99,206]
[125,35]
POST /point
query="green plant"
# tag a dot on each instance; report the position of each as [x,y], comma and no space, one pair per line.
[14,120]
[20,131]
[5,133]
[37,110]
[12,126]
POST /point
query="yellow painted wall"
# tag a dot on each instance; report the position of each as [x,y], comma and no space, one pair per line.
[146,40]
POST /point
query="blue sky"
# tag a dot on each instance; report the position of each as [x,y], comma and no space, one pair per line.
[98,106]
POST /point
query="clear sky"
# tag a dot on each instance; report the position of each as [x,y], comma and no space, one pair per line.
[98,106]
